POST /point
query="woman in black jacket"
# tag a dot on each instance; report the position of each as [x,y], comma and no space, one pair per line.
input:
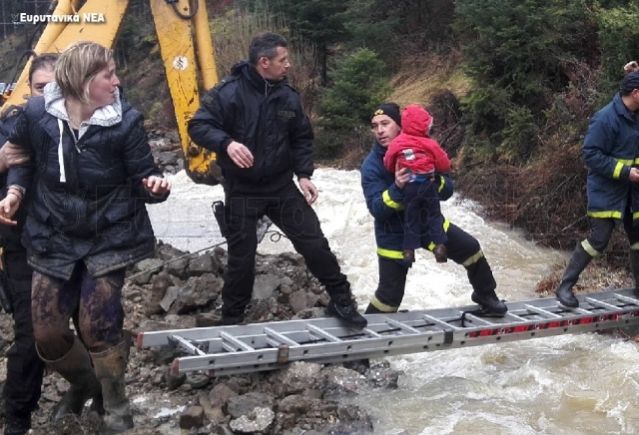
[92,174]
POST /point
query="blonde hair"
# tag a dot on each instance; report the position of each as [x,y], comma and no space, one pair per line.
[78,65]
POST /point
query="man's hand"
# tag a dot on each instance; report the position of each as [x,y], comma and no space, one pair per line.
[634,175]
[11,155]
[156,186]
[240,154]
[8,207]
[402,176]
[308,190]
[631,66]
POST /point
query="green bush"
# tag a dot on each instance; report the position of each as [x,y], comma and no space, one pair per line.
[519,54]
[619,42]
[359,83]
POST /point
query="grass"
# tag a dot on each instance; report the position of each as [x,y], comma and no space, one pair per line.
[419,79]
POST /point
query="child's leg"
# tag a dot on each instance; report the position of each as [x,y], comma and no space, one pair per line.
[432,219]
[412,217]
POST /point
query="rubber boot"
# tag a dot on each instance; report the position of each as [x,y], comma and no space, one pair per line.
[110,366]
[75,367]
[578,262]
[491,305]
[634,267]
[371,309]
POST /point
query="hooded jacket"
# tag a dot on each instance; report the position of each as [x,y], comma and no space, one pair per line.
[87,202]
[412,148]
[265,116]
[611,148]
[385,202]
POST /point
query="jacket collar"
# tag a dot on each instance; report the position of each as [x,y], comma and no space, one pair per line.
[379,149]
[621,108]
[247,70]
[105,116]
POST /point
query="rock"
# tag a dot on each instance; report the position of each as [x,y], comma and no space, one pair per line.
[145,269]
[339,381]
[170,296]
[205,263]
[159,284]
[177,267]
[174,381]
[238,406]
[295,404]
[298,301]
[311,313]
[265,286]
[298,377]
[258,420]
[220,394]
[192,417]
[381,375]
[197,380]
[197,292]
[207,319]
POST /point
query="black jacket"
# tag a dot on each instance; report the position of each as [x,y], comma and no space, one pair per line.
[10,235]
[266,117]
[98,214]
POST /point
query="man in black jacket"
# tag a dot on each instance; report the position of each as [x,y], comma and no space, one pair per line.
[254,121]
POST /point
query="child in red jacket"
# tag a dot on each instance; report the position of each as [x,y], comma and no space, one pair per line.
[415,151]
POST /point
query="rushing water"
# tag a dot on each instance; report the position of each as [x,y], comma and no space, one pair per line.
[572,384]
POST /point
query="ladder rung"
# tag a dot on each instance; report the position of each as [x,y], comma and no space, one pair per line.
[477,319]
[239,344]
[515,316]
[372,333]
[602,304]
[280,338]
[402,326]
[444,325]
[319,331]
[582,310]
[628,299]
[185,345]
[541,311]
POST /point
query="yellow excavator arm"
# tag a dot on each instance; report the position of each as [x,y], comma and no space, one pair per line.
[186,48]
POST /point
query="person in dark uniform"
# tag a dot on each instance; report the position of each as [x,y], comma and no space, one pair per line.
[24,368]
[384,195]
[254,121]
[610,151]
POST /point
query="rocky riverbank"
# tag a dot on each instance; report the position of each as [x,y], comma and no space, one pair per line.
[178,290]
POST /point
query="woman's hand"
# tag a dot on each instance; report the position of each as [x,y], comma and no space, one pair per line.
[157,186]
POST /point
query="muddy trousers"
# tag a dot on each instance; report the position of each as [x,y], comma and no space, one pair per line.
[422,215]
[97,301]
[462,248]
[24,368]
[288,209]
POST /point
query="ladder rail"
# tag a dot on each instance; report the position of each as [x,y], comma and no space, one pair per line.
[268,346]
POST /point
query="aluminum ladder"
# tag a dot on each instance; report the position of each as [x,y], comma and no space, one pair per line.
[227,350]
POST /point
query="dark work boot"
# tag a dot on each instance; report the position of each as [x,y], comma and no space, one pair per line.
[490,303]
[343,307]
[228,320]
[110,367]
[15,425]
[634,267]
[578,262]
[75,366]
